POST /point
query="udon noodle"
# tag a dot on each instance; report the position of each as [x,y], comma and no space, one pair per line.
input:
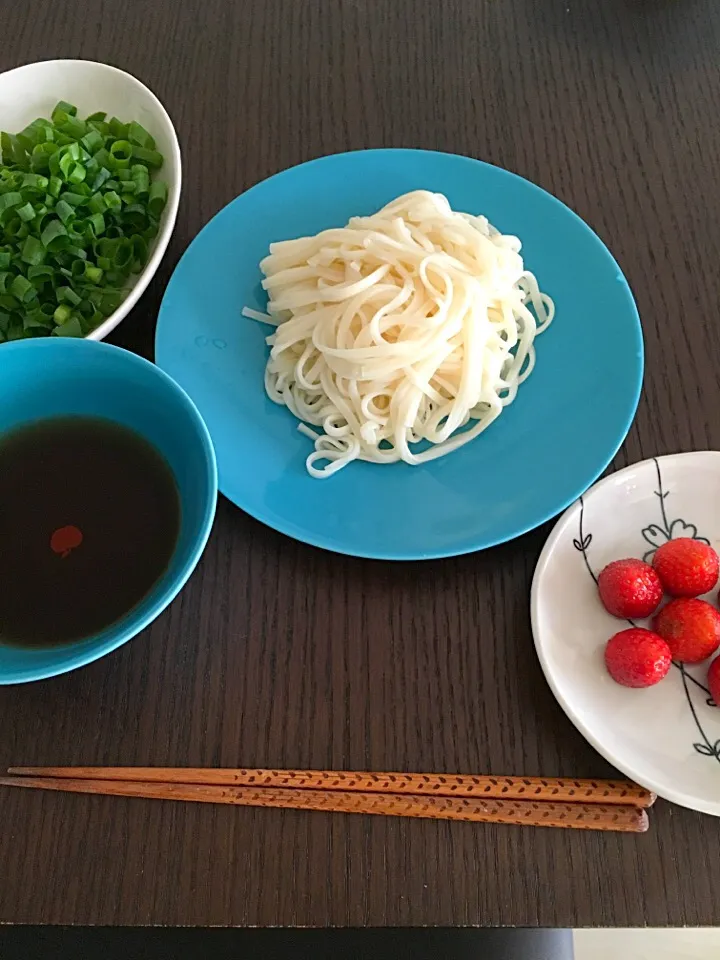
[401,336]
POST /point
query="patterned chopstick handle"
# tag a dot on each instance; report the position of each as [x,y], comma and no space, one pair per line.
[558,790]
[622,792]
[580,816]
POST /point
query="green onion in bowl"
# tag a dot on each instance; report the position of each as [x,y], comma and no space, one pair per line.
[78,210]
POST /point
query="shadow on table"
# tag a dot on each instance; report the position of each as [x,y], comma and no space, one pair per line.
[123,943]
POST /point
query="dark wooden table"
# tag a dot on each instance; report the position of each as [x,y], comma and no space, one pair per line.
[279,654]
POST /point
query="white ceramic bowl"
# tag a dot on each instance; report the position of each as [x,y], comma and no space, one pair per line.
[33,90]
[666,737]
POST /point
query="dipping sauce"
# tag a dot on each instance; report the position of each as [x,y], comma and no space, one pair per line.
[89,519]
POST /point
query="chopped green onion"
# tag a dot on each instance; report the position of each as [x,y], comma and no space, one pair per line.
[138,135]
[16,229]
[72,127]
[151,232]
[78,269]
[47,309]
[158,197]
[13,151]
[102,156]
[64,210]
[39,318]
[117,129]
[74,199]
[112,200]
[102,128]
[120,152]
[26,212]
[151,157]
[33,251]
[136,216]
[8,201]
[123,253]
[93,141]
[46,134]
[97,222]
[111,300]
[140,252]
[102,176]
[68,295]
[97,203]
[28,138]
[70,328]
[34,181]
[77,173]
[54,235]
[141,179]
[65,163]
[39,274]
[93,274]
[22,289]
[62,314]
[78,208]
[63,106]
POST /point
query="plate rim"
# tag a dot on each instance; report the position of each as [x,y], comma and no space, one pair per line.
[666,793]
[308,537]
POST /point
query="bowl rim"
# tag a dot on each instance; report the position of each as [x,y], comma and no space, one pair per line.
[169,214]
[173,588]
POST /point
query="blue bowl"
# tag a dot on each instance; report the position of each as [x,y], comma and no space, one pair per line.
[50,378]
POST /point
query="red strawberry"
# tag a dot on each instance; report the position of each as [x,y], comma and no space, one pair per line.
[691,628]
[714,680]
[630,589]
[637,657]
[686,567]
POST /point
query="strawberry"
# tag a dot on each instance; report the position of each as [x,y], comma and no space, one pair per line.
[686,567]
[690,627]
[630,589]
[714,680]
[637,657]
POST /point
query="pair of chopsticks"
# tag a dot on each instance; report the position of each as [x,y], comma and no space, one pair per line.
[531,801]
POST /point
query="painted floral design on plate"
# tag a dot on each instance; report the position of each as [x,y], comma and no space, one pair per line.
[665,528]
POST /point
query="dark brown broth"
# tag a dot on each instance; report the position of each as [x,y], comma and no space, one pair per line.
[89,519]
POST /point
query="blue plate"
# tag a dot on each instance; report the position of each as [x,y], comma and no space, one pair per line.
[563,429]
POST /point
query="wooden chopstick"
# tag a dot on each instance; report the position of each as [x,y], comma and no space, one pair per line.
[582,816]
[606,792]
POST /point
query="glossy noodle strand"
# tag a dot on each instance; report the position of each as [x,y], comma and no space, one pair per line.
[400,336]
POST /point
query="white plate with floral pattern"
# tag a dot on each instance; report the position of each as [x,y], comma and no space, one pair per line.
[665,737]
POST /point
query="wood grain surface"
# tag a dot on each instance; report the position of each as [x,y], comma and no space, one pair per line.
[280,655]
